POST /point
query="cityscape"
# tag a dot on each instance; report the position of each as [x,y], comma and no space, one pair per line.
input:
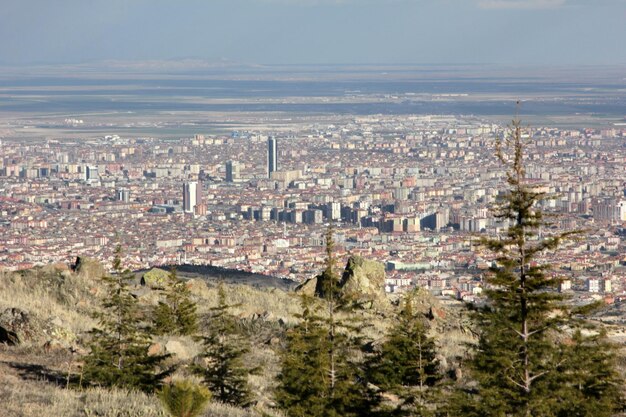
[415,193]
[313,208]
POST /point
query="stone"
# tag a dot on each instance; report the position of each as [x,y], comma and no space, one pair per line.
[17,325]
[8,337]
[53,346]
[365,280]
[155,349]
[174,347]
[155,278]
[88,268]
[362,279]
[307,287]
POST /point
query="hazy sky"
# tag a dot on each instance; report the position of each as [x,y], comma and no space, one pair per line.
[315,31]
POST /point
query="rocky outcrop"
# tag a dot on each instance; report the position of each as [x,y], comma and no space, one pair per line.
[178,349]
[307,287]
[362,280]
[155,278]
[8,337]
[88,268]
[19,327]
[16,326]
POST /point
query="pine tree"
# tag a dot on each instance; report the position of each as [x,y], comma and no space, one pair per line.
[225,372]
[177,314]
[119,345]
[303,381]
[519,360]
[406,364]
[320,375]
[184,398]
[587,381]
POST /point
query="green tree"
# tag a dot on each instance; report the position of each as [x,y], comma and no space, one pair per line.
[406,364]
[119,344]
[519,359]
[303,381]
[224,371]
[184,398]
[321,375]
[177,314]
[587,382]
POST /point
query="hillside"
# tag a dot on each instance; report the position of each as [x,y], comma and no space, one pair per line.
[50,312]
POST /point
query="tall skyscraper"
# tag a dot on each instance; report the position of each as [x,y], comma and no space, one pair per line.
[91,173]
[232,171]
[272,156]
[192,195]
[123,194]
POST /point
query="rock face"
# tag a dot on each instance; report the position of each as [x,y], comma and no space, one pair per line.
[19,327]
[362,279]
[182,348]
[307,287]
[88,268]
[8,337]
[155,278]
[15,326]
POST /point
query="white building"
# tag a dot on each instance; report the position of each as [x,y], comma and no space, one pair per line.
[192,195]
[593,285]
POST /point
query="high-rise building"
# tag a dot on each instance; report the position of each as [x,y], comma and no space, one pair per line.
[272,156]
[333,210]
[232,171]
[91,173]
[192,195]
[609,210]
[123,194]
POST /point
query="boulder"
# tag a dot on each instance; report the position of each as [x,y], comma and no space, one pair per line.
[8,337]
[17,326]
[307,287]
[155,349]
[174,347]
[88,268]
[364,279]
[155,278]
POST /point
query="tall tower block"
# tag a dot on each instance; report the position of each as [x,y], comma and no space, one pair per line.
[272,156]
[192,195]
[232,171]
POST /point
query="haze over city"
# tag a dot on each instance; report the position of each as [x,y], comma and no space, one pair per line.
[519,32]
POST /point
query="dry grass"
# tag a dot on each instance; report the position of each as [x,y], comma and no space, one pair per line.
[40,399]
[275,304]
[49,294]
[32,394]
[53,293]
